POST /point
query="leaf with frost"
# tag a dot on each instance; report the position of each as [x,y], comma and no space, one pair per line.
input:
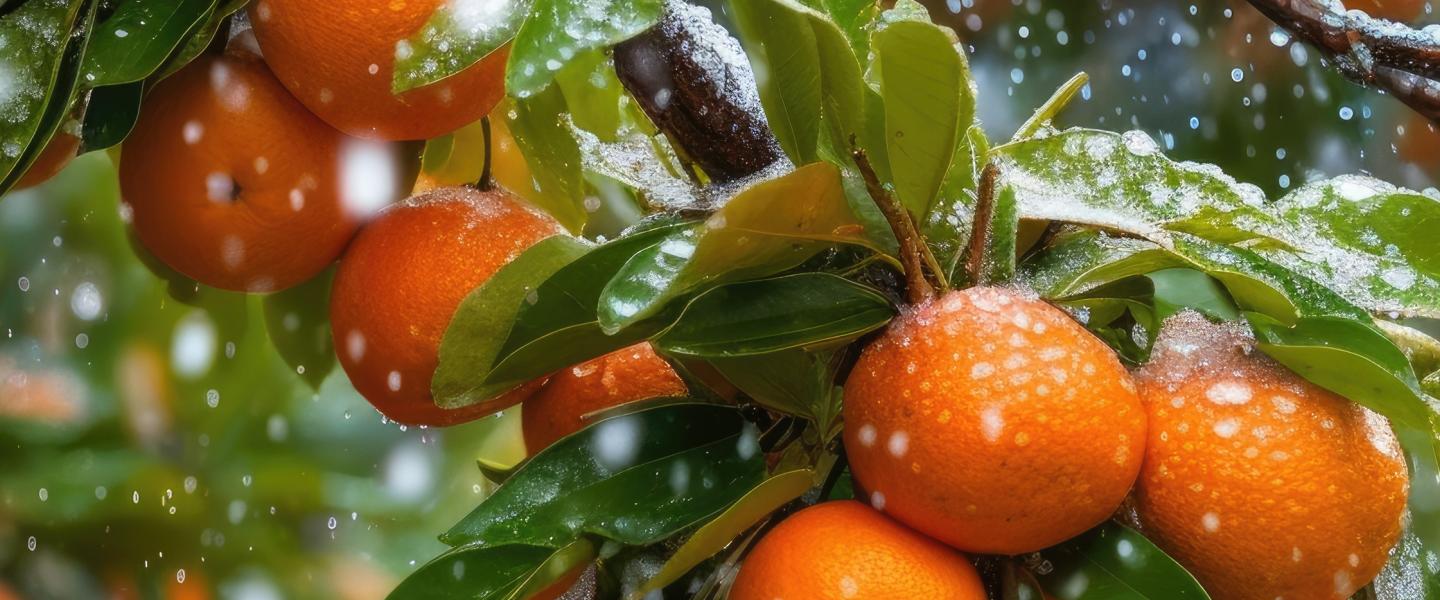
[459,34]
[38,68]
[559,30]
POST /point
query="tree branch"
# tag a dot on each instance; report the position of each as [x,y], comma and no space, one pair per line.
[980,233]
[912,246]
[692,79]
[1397,59]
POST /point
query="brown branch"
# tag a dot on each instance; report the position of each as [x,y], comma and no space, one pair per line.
[912,246]
[980,232]
[1395,58]
[690,77]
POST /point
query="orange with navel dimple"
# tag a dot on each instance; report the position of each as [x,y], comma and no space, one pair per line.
[339,59]
[1259,482]
[400,282]
[844,549]
[626,375]
[232,182]
[993,422]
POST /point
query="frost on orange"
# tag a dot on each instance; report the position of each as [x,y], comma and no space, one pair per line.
[232,182]
[1262,484]
[339,59]
[626,375]
[845,549]
[994,422]
[400,282]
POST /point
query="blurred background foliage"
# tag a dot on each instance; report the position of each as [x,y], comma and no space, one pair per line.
[156,445]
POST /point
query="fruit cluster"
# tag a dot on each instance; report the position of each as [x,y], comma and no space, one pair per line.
[995,423]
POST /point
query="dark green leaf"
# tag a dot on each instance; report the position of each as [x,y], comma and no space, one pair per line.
[794,311]
[929,103]
[474,337]
[1113,562]
[43,84]
[635,479]
[770,227]
[457,36]
[473,572]
[558,30]
[538,123]
[1079,260]
[298,321]
[792,382]
[1175,290]
[111,115]
[1351,358]
[137,39]
[201,38]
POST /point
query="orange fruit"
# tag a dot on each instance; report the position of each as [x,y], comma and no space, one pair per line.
[1420,144]
[993,422]
[339,59]
[57,153]
[1262,484]
[844,549]
[626,375]
[401,281]
[232,182]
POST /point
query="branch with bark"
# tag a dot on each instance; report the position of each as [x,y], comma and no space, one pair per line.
[1395,58]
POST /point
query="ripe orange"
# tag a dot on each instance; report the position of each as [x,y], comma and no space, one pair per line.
[58,153]
[626,375]
[339,59]
[1261,483]
[993,422]
[401,281]
[844,549]
[1420,144]
[232,182]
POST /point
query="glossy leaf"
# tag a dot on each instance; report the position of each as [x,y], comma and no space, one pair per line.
[42,84]
[769,315]
[484,318]
[138,38]
[771,226]
[714,536]
[111,115]
[929,104]
[538,124]
[1114,562]
[298,321]
[635,479]
[792,382]
[562,327]
[1350,358]
[201,38]
[782,47]
[558,30]
[473,572]
[1080,260]
[458,35]
[575,555]
[947,227]
[1175,290]
[592,93]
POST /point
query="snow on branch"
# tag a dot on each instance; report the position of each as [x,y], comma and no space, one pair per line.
[1400,60]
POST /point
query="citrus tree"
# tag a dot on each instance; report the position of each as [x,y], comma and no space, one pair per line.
[808,334]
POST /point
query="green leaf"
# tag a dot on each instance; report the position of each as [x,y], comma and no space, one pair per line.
[538,125]
[111,115]
[782,47]
[1052,107]
[137,39]
[483,320]
[769,315]
[710,539]
[1114,562]
[473,572]
[770,227]
[1175,290]
[201,38]
[792,382]
[558,30]
[1079,260]
[457,36]
[298,321]
[854,18]
[929,103]
[42,83]
[592,92]
[635,479]
[1350,358]
[947,227]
